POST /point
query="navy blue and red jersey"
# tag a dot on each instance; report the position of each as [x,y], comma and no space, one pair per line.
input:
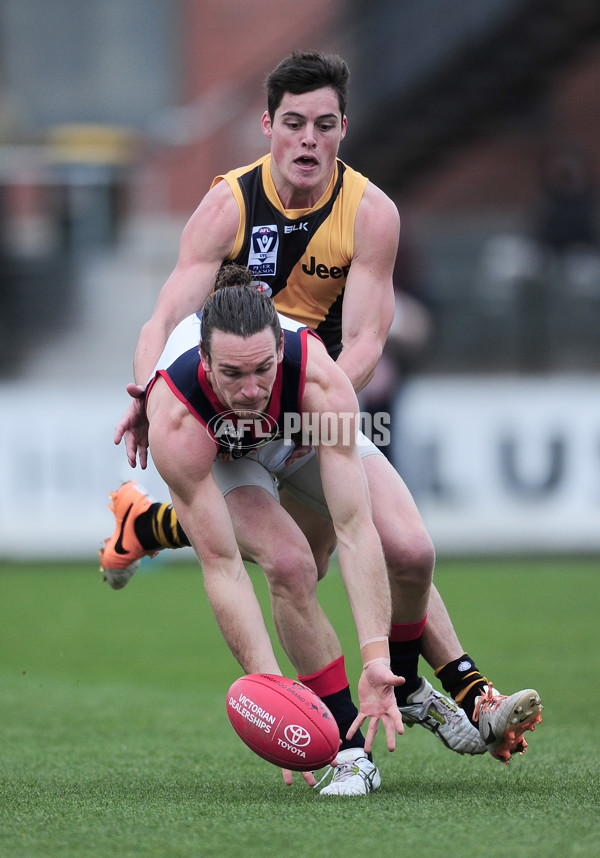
[237,436]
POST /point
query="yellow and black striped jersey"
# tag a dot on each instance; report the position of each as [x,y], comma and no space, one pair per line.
[303,256]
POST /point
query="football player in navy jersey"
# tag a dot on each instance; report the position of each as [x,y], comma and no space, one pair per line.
[247,368]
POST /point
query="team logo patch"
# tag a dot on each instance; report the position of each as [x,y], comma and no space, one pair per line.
[264,244]
[239,435]
[465,665]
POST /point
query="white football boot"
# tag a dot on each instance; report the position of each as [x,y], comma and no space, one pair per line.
[444,718]
[354,774]
[503,719]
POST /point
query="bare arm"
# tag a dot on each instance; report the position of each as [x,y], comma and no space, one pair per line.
[362,564]
[359,547]
[368,308]
[205,242]
[183,453]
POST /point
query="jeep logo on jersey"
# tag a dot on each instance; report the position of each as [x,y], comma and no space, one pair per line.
[242,434]
[264,243]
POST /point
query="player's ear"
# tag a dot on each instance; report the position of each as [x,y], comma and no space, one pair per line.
[205,359]
[344,126]
[280,348]
[266,125]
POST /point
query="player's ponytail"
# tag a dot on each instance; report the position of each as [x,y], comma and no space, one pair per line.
[232,274]
[241,310]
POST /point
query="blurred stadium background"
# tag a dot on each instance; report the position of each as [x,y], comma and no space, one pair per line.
[481,118]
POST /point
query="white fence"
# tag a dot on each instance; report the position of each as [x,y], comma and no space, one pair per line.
[496,465]
[505,465]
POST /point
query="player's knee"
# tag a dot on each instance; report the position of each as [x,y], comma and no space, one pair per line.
[291,573]
[411,560]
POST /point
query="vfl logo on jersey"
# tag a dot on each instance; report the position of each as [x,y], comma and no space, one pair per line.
[264,243]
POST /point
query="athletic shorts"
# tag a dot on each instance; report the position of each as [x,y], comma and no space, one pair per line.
[302,478]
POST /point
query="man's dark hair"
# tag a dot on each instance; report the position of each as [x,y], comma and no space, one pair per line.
[235,307]
[305,71]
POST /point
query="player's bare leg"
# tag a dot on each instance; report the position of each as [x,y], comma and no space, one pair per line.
[439,643]
[408,549]
[281,550]
[318,530]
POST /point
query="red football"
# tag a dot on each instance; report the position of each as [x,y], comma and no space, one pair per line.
[283,721]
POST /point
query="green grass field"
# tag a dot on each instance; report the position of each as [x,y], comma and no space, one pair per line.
[115,740]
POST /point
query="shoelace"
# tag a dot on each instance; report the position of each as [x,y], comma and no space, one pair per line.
[489,701]
[340,772]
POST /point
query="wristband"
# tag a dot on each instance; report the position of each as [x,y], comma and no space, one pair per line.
[374,660]
[373,640]
[375,648]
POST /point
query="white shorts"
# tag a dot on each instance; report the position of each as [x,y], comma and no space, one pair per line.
[302,478]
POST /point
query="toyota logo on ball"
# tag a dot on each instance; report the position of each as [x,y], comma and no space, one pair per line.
[297,735]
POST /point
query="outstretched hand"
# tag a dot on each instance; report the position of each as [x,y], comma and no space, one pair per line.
[377,701]
[133,427]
